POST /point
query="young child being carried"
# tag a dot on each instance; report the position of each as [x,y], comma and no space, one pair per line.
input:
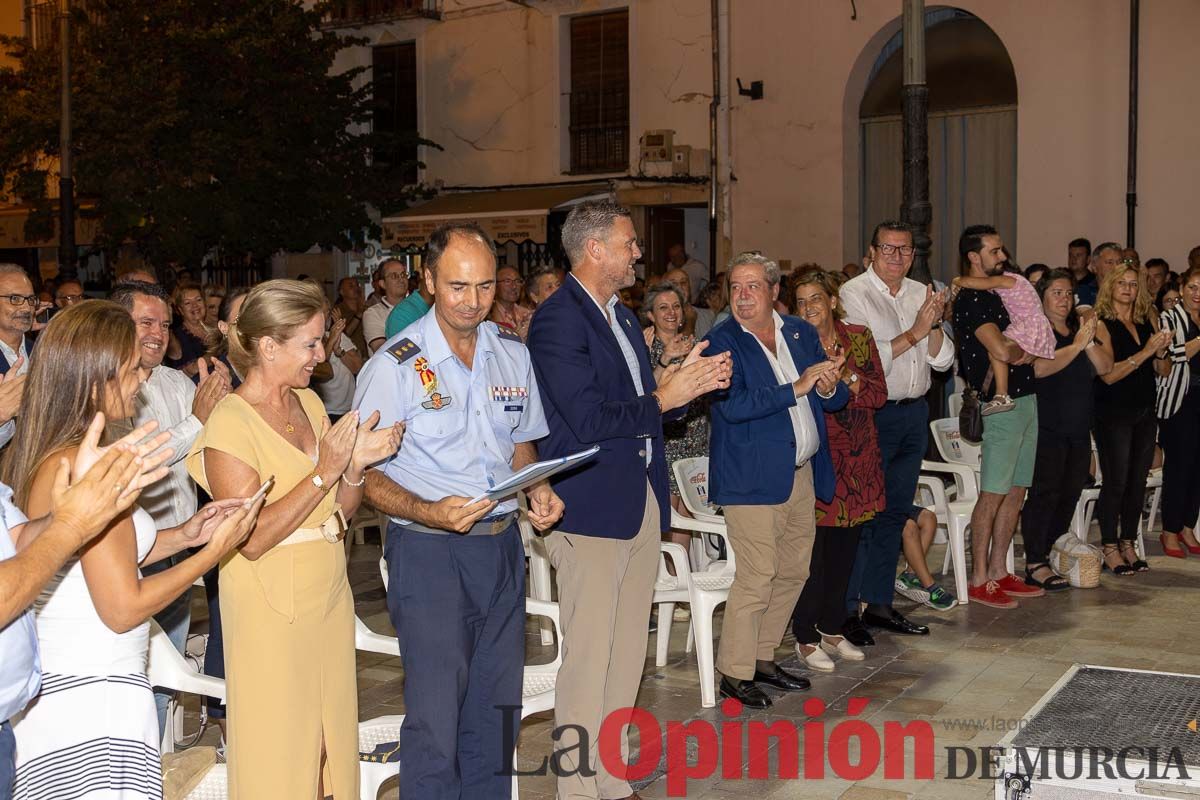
[1027,326]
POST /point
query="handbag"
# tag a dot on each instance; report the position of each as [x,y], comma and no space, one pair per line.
[970,416]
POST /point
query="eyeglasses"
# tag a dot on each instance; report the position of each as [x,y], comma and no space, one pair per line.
[905,250]
[1128,261]
[510,281]
[70,298]
[19,300]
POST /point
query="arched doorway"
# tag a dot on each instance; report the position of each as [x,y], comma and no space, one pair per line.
[972,135]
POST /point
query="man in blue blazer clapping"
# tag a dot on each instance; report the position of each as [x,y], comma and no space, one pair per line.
[769,457]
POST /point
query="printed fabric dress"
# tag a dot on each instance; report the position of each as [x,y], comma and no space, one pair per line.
[92,731]
[853,442]
[686,437]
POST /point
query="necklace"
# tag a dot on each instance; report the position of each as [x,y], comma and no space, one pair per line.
[287,424]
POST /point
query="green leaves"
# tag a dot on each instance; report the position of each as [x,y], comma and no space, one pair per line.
[201,125]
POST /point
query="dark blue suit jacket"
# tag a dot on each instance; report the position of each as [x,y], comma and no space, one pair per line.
[4,365]
[752,456]
[590,399]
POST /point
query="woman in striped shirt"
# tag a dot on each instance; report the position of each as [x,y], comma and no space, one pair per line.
[1179,415]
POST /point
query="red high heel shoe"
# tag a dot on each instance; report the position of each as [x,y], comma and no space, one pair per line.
[1194,549]
[1171,551]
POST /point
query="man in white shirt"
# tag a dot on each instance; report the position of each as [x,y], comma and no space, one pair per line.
[181,409]
[395,289]
[904,317]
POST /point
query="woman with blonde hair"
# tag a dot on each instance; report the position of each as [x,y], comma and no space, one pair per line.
[93,729]
[286,607]
[1125,422]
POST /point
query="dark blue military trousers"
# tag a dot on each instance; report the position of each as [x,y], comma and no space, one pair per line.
[458,605]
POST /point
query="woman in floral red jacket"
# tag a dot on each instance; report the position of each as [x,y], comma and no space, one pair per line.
[854,445]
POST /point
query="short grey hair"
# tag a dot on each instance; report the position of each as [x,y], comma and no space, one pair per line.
[657,289]
[589,220]
[8,268]
[769,266]
[1100,248]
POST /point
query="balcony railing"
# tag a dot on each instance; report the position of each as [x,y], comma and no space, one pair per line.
[362,12]
[600,131]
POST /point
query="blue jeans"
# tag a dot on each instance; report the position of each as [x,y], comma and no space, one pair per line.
[903,438]
[176,620]
[8,754]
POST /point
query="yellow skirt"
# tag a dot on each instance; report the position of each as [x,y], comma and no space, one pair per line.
[288,623]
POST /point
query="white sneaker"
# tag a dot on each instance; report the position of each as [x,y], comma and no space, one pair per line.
[813,658]
[840,646]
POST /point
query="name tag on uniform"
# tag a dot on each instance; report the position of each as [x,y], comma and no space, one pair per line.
[514,408]
[507,394]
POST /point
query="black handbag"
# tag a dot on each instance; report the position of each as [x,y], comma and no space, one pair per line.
[970,416]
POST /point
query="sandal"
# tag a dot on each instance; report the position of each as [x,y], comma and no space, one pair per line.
[1120,569]
[1129,550]
[1054,583]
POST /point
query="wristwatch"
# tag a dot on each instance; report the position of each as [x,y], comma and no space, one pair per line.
[853,379]
[318,482]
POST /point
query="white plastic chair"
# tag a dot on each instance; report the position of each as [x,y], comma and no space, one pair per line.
[168,669]
[539,569]
[691,476]
[371,734]
[1085,508]
[953,448]
[955,516]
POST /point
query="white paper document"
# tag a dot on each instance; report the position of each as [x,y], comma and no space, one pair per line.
[534,473]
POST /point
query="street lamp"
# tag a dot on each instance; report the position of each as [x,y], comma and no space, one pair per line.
[66,183]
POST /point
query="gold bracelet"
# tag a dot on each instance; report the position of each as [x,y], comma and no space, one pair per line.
[912,340]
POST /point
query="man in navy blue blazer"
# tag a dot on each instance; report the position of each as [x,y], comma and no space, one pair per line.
[769,458]
[18,304]
[599,388]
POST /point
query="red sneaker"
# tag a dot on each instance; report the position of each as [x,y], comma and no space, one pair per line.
[1011,584]
[990,594]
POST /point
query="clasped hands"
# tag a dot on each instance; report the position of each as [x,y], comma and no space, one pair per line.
[679,384]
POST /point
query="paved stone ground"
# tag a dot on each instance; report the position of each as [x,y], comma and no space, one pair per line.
[980,670]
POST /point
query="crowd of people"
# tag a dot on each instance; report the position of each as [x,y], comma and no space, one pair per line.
[153,440]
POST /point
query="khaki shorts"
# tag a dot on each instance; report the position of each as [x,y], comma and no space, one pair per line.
[1009,447]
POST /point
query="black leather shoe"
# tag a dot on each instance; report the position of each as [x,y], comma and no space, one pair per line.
[745,692]
[894,622]
[856,633]
[782,680]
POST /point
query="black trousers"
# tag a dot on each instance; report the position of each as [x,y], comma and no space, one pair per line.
[1181,465]
[1125,447]
[1059,475]
[822,603]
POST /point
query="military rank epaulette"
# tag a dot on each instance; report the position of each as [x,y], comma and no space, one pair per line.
[403,350]
[508,333]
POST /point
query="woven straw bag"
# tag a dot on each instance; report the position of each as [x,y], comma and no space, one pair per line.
[1076,561]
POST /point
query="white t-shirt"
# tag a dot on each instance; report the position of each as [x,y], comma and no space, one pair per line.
[338,392]
[374,324]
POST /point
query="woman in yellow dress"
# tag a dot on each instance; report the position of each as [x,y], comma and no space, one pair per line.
[286,606]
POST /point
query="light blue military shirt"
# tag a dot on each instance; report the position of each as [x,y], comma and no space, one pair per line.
[463,422]
[20,669]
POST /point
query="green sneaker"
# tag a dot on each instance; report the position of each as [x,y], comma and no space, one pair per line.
[908,585]
[940,599]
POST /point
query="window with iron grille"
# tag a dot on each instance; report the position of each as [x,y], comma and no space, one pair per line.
[394,110]
[599,122]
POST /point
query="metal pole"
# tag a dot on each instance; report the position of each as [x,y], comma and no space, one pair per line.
[66,183]
[1131,180]
[915,209]
[712,140]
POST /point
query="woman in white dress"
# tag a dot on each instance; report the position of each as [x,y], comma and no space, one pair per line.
[92,731]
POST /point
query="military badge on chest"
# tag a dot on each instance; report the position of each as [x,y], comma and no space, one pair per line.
[429,382]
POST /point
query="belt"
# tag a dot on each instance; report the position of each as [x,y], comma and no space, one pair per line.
[331,530]
[488,526]
[905,401]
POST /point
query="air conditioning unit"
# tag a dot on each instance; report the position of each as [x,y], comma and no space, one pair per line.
[658,146]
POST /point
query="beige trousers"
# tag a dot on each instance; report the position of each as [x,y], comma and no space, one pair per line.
[604,592]
[772,545]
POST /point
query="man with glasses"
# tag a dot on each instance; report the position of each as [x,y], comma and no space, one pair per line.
[395,289]
[904,318]
[18,304]
[68,293]
[507,311]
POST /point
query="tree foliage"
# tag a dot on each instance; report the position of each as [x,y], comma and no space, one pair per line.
[201,124]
